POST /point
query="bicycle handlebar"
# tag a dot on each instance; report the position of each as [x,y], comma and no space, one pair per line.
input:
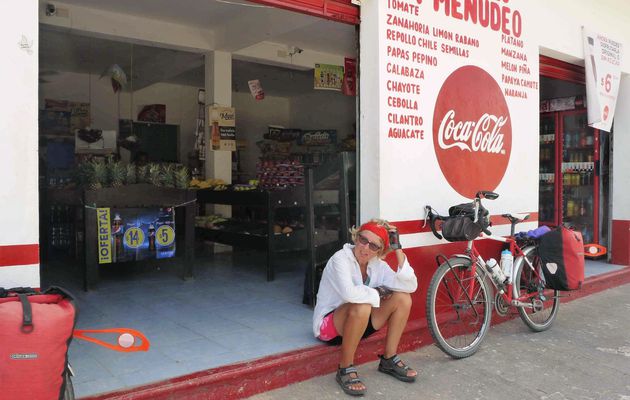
[432,218]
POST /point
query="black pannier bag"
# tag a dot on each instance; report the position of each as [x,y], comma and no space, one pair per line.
[562,254]
[459,227]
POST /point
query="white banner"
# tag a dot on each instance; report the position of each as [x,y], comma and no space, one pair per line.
[602,59]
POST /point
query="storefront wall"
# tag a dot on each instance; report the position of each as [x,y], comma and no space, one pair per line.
[398,176]
[421,64]
[19,237]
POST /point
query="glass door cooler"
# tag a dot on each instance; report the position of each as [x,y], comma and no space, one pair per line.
[548,185]
[579,174]
[569,173]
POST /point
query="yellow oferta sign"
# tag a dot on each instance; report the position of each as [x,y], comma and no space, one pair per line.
[104,236]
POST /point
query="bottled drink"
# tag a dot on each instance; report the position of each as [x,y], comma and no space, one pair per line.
[507,259]
[495,272]
[215,136]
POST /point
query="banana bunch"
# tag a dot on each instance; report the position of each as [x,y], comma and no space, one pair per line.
[219,188]
[207,184]
[209,221]
[243,187]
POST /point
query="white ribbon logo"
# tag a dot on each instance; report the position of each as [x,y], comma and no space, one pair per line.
[484,135]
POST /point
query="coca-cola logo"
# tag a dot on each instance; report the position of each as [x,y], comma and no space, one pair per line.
[472,131]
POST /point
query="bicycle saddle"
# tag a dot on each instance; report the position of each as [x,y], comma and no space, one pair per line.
[486,194]
[513,219]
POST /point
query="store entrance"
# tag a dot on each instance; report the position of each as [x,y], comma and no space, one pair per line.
[122,126]
[574,170]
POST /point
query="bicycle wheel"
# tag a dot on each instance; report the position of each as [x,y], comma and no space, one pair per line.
[458,308]
[543,307]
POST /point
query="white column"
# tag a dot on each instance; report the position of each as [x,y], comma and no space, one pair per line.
[218,71]
[19,202]
[369,143]
[218,91]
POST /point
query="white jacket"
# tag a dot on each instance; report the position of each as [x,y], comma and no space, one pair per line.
[342,283]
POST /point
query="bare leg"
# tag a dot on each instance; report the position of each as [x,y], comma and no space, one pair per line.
[350,321]
[394,312]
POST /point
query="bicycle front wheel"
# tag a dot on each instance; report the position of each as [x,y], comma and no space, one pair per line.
[542,304]
[458,308]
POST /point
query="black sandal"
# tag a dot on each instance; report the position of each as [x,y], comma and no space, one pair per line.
[346,381]
[390,366]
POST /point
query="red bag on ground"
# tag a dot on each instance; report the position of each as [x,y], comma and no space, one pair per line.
[562,255]
[35,333]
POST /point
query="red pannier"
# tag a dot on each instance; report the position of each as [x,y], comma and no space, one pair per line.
[35,333]
[562,255]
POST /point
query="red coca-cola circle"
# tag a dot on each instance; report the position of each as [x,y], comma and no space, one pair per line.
[472,131]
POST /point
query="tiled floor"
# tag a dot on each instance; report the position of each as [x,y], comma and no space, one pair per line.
[228,313]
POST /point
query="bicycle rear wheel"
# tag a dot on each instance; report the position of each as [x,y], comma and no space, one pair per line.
[458,308]
[543,307]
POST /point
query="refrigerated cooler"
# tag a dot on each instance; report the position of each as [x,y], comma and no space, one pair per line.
[569,173]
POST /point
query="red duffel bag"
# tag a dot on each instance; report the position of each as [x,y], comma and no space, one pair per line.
[35,333]
[562,255]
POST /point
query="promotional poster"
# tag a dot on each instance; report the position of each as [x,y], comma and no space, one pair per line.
[603,73]
[222,128]
[133,234]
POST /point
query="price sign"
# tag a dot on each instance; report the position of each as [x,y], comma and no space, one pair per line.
[134,237]
[165,235]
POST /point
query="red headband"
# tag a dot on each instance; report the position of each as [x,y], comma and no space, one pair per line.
[378,230]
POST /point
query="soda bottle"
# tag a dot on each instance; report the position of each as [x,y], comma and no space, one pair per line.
[151,238]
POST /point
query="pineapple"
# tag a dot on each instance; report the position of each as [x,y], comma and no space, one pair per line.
[142,174]
[168,175]
[98,175]
[84,174]
[155,174]
[117,173]
[181,177]
[131,174]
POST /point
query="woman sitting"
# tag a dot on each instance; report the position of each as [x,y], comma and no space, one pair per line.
[359,294]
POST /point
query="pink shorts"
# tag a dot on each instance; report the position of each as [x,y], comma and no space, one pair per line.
[327,330]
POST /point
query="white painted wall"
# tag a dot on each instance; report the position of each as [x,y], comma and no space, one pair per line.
[562,38]
[400,176]
[18,138]
[107,107]
[555,29]
[561,21]
[620,160]
[252,119]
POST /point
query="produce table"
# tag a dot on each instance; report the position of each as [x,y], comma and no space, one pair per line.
[138,196]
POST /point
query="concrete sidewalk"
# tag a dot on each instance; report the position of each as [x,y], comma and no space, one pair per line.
[585,355]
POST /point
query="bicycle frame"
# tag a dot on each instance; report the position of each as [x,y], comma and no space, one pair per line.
[477,260]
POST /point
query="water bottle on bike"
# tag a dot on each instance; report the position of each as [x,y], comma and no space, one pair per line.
[507,260]
[496,273]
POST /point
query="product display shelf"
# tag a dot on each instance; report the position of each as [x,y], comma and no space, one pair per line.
[139,196]
[266,239]
[330,190]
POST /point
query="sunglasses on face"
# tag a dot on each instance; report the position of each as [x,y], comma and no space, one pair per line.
[364,241]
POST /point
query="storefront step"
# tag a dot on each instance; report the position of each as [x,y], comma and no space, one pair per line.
[248,378]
